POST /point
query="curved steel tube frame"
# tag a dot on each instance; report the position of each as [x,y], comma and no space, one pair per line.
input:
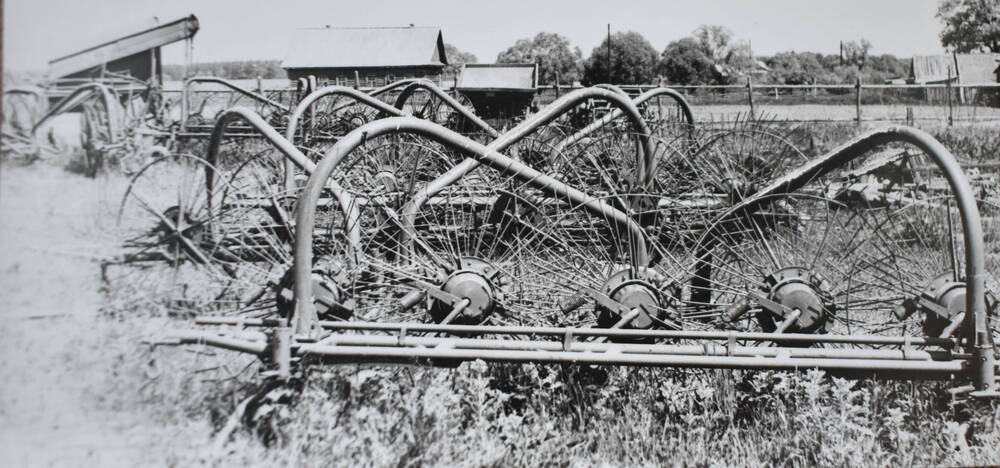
[292,155]
[432,88]
[186,95]
[305,320]
[108,99]
[644,154]
[613,87]
[613,115]
[306,103]
[978,344]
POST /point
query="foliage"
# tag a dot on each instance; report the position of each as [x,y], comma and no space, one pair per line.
[457,58]
[684,61]
[555,55]
[797,68]
[633,61]
[809,67]
[234,70]
[970,25]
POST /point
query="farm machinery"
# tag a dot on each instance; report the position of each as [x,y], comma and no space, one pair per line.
[621,241]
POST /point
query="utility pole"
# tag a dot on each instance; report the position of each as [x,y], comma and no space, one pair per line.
[609,53]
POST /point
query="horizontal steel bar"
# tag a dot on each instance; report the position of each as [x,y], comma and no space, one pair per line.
[218,341]
[625,333]
[943,369]
[619,333]
[629,348]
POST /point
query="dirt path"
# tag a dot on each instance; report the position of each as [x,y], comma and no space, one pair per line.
[56,396]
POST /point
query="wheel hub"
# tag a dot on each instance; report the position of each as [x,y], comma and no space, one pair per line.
[329,295]
[940,301]
[798,289]
[633,291]
[166,231]
[474,281]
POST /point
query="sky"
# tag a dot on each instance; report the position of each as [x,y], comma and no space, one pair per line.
[36,31]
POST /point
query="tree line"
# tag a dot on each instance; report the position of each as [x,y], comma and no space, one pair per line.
[709,55]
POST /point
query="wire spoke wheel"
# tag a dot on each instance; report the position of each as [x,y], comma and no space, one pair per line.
[874,248]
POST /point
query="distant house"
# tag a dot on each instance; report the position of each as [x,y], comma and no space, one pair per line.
[961,68]
[135,53]
[375,56]
[501,90]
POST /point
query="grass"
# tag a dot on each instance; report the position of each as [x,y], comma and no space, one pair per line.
[82,387]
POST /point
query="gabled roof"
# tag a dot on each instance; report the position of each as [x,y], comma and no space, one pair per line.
[365,47]
[977,68]
[968,68]
[498,77]
[145,37]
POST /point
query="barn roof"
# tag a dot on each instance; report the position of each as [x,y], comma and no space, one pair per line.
[499,77]
[142,38]
[365,48]
[971,68]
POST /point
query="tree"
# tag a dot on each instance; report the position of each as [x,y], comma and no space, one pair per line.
[684,61]
[856,53]
[970,25]
[633,60]
[457,58]
[552,52]
[731,58]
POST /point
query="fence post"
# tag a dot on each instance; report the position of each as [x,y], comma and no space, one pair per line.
[948,91]
[857,102]
[750,97]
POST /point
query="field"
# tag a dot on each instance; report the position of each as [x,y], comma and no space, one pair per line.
[84,388]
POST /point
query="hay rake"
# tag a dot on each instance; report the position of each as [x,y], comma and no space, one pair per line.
[488,257]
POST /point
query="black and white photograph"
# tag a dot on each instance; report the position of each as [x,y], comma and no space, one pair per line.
[446,233]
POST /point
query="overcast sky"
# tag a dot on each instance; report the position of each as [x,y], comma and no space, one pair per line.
[36,31]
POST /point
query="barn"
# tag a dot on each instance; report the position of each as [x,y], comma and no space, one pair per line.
[366,56]
[499,91]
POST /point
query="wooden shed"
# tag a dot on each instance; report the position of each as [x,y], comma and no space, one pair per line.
[368,56]
[499,90]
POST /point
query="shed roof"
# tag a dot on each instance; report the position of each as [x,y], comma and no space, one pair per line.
[365,47]
[498,77]
[968,68]
[144,37]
